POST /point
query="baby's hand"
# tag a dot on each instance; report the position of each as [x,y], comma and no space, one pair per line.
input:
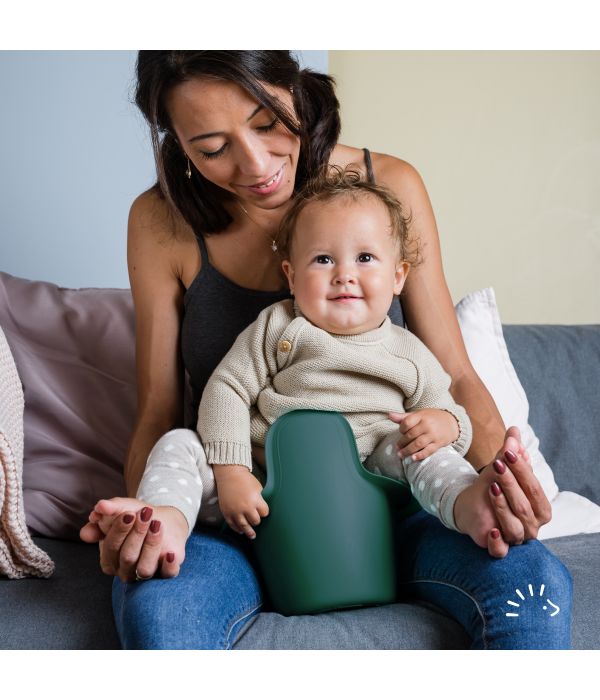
[240,498]
[105,512]
[424,432]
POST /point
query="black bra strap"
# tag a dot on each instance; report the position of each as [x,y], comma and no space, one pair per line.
[369,164]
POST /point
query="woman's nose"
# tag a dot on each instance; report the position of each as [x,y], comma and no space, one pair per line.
[253,159]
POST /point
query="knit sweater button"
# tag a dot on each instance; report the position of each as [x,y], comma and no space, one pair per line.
[285,345]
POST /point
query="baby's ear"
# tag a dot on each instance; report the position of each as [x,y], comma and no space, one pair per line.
[400,276]
[289,273]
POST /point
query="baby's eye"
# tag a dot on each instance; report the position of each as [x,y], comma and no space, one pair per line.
[323,259]
[365,257]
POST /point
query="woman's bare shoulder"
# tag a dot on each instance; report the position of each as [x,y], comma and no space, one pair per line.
[389,170]
[159,241]
[150,215]
[395,173]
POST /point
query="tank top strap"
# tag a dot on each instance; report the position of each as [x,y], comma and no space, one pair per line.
[369,164]
[203,249]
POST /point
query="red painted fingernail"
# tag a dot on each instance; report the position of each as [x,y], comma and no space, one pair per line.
[495,489]
[499,466]
[170,557]
[128,519]
[510,456]
[154,526]
[146,514]
[495,534]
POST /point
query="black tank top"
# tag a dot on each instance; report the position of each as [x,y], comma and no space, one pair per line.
[216,311]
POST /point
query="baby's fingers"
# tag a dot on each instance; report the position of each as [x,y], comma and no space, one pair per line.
[417,446]
[405,421]
[244,526]
[262,508]
[423,454]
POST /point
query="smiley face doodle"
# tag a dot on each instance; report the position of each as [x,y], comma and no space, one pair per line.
[531,594]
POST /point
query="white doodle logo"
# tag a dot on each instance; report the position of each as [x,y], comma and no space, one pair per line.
[523,598]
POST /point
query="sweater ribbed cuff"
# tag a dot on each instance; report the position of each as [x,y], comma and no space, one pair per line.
[228,453]
[463,441]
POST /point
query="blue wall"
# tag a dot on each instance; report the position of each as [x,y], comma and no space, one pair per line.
[74,154]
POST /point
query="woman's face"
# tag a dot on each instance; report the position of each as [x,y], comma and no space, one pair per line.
[234,141]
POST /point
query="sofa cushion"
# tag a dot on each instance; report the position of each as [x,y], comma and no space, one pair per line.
[559,367]
[481,328]
[74,350]
[72,610]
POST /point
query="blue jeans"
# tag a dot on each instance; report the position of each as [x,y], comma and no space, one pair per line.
[520,602]
[205,607]
[217,591]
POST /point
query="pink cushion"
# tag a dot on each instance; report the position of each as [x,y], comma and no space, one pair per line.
[74,350]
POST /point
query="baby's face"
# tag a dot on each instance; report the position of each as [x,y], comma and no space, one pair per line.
[344,268]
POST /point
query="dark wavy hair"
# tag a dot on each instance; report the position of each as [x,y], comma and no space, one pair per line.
[199,201]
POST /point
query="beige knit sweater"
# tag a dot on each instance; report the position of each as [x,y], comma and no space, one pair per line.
[282,362]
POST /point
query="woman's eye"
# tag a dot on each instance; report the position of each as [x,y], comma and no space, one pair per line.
[207,155]
[268,127]
[323,259]
[365,257]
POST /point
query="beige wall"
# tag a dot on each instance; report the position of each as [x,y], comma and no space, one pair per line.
[508,144]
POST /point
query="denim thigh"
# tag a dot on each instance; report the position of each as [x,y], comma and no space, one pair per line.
[205,607]
[522,601]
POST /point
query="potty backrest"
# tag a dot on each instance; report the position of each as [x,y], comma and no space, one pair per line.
[327,542]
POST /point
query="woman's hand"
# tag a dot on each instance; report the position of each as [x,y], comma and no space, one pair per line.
[519,502]
[137,540]
[240,498]
[425,431]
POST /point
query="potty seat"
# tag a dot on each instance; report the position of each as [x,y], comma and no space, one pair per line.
[327,542]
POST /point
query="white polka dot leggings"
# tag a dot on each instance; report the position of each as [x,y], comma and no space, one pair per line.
[177,474]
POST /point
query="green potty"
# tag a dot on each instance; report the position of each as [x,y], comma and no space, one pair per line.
[327,542]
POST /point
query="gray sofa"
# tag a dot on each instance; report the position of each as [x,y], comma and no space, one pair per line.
[559,367]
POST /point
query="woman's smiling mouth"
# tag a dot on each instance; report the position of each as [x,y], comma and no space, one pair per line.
[268,186]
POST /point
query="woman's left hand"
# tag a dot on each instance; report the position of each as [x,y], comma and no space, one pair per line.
[518,500]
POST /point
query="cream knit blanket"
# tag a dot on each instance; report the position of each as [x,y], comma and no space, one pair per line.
[19,556]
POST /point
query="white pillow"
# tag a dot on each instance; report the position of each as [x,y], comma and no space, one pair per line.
[482,332]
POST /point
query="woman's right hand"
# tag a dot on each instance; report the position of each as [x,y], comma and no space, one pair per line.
[137,539]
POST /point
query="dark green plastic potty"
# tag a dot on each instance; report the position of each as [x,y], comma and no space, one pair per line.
[327,542]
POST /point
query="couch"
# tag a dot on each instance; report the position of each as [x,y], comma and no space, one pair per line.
[91,334]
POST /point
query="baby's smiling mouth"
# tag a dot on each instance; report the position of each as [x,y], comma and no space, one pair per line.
[345,297]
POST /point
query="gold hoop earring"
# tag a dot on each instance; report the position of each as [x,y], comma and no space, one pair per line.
[188,172]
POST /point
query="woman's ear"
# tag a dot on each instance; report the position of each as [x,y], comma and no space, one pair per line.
[400,276]
[289,273]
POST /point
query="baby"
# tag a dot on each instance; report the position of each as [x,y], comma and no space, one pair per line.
[333,347]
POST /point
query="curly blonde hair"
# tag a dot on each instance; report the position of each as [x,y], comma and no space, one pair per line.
[334,182]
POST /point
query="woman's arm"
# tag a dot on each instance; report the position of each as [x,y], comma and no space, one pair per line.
[520,505]
[130,542]
[158,300]
[430,314]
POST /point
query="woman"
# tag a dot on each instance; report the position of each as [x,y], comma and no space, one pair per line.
[235,134]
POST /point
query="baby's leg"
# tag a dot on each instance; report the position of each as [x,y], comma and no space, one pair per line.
[435,481]
[177,474]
